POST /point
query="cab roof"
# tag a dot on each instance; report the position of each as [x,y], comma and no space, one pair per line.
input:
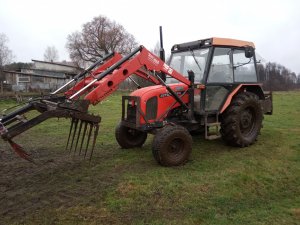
[214,41]
[231,42]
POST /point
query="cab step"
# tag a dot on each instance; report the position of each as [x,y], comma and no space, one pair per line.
[213,136]
[212,129]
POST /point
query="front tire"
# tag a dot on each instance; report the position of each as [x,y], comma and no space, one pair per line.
[172,146]
[242,120]
[128,137]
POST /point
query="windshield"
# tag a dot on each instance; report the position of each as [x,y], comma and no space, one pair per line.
[194,60]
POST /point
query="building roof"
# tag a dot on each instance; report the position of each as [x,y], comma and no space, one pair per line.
[51,71]
[34,74]
[58,63]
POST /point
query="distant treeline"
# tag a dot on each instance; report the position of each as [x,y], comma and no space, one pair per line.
[276,77]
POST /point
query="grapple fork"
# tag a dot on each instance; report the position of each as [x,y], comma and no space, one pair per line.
[82,134]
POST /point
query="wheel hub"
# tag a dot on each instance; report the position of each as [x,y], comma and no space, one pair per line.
[247,120]
[176,146]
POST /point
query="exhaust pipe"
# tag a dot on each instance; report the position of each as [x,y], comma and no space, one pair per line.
[162,52]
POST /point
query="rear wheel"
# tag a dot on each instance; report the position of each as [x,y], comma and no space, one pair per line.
[172,146]
[128,137]
[242,120]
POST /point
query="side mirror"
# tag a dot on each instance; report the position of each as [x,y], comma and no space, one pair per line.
[249,51]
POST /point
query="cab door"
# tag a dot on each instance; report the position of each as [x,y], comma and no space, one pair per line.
[219,80]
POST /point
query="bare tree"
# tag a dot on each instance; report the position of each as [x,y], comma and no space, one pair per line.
[51,54]
[97,38]
[6,57]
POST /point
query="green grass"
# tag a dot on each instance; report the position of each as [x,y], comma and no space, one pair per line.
[219,185]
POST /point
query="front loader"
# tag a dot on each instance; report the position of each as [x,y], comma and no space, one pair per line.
[208,86]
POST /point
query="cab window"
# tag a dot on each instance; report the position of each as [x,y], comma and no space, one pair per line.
[221,70]
[194,60]
[244,68]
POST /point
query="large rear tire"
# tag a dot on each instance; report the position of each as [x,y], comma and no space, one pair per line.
[172,146]
[242,120]
[128,137]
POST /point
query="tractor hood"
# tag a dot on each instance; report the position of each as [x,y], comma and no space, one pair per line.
[159,90]
[156,100]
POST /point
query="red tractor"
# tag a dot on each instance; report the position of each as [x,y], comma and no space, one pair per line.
[208,86]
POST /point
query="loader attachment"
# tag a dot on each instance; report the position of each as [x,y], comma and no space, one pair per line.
[84,126]
[16,123]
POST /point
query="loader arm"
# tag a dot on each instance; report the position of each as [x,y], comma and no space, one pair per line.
[91,87]
[91,75]
[140,62]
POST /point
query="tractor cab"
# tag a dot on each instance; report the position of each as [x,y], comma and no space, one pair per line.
[220,65]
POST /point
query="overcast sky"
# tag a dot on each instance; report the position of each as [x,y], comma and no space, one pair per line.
[274,26]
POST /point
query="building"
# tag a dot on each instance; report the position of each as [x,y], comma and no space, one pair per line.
[42,76]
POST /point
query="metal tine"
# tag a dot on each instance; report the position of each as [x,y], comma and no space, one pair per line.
[89,138]
[95,138]
[74,133]
[71,127]
[83,136]
[78,136]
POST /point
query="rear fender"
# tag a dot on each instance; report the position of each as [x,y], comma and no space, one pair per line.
[254,88]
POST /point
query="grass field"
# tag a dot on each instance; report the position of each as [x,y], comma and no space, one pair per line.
[219,185]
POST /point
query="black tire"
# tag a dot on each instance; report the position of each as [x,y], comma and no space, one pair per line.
[242,120]
[128,137]
[172,146]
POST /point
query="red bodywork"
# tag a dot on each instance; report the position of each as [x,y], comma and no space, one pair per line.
[166,102]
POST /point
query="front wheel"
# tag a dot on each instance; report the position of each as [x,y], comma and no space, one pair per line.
[172,146]
[128,137]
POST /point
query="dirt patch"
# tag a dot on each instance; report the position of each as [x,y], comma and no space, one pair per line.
[56,181]
[296,212]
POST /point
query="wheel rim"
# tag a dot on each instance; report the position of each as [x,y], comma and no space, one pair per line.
[132,134]
[176,148]
[247,121]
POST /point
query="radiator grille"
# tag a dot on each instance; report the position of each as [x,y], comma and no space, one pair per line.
[151,108]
